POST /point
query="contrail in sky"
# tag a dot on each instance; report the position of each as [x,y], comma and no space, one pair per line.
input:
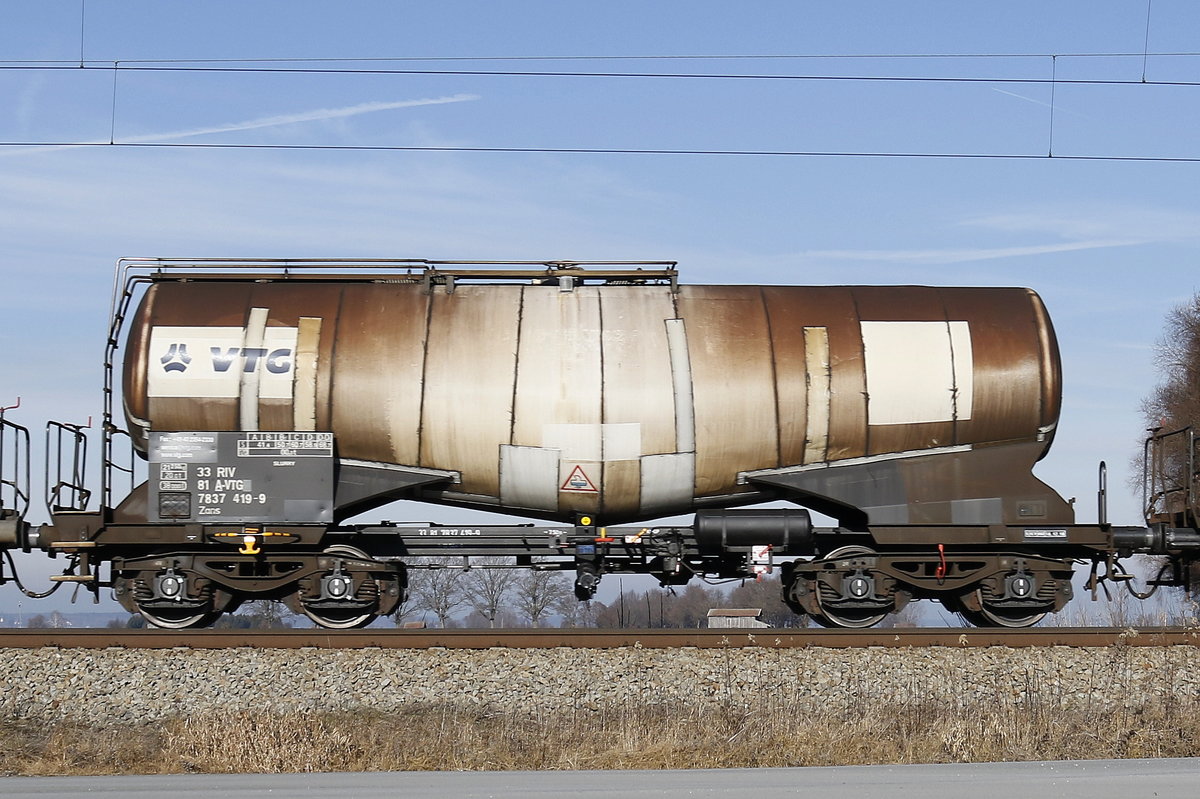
[965,255]
[316,115]
[1021,97]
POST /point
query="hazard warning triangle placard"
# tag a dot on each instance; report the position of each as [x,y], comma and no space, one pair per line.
[578,481]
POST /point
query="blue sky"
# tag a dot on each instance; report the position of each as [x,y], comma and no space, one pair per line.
[1110,245]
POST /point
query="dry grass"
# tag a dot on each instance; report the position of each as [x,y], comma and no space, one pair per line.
[449,738]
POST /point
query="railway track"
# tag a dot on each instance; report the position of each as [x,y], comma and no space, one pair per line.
[385,638]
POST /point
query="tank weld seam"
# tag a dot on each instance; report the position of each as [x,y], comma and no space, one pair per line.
[429,299]
[512,407]
[762,295]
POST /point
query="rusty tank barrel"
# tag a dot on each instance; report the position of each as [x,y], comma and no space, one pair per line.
[626,399]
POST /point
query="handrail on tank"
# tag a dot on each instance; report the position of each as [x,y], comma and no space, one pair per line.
[385,268]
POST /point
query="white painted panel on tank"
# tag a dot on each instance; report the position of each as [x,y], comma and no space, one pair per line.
[577,442]
[308,347]
[559,371]
[622,442]
[529,477]
[209,362]
[595,442]
[256,326]
[681,380]
[817,366]
[917,371]
[668,482]
[964,368]
[637,365]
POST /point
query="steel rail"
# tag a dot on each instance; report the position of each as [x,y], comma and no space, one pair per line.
[389,638]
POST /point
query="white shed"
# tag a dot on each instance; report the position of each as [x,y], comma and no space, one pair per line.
[735,617]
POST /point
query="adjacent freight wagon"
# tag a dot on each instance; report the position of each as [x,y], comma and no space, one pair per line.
[275,403]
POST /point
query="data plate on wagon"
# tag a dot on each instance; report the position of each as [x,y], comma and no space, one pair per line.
[241,477]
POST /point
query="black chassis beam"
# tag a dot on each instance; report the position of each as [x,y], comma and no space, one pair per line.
[621,549]
[629,549]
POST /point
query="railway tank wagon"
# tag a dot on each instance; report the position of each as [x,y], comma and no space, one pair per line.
[277,402]
[626,402]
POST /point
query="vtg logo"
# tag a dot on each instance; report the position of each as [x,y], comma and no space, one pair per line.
[211,362]
[176,359]
[277,361]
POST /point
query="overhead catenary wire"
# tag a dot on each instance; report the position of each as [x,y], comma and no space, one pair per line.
[130,66]
[273,66]
[634,57]
[605,151]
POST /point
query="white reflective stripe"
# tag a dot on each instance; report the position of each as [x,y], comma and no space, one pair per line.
[304,392]
[681,383]
[256,326]
[917,372]
[816,364]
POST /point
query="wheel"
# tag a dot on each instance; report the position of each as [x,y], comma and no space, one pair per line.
[997,616]
[852,620]
[180,608]
[339,618]
[178,618]
[347,615]
[849,618]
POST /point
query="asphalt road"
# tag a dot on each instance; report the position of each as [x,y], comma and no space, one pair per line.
[1097,779]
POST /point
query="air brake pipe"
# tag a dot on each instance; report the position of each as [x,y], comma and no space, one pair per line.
[1155,540]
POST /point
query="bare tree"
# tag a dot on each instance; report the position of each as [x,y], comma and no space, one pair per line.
[686,608]
[575,613]
[439,590]
[258,614]
[487,588]
[689,608]
[536,592]
[1175,401]
[409,608]
[765,593]
[1174,404]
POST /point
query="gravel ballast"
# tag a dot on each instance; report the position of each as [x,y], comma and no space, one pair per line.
[133,685]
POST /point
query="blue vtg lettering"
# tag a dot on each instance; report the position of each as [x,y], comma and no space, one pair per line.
[277,361]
